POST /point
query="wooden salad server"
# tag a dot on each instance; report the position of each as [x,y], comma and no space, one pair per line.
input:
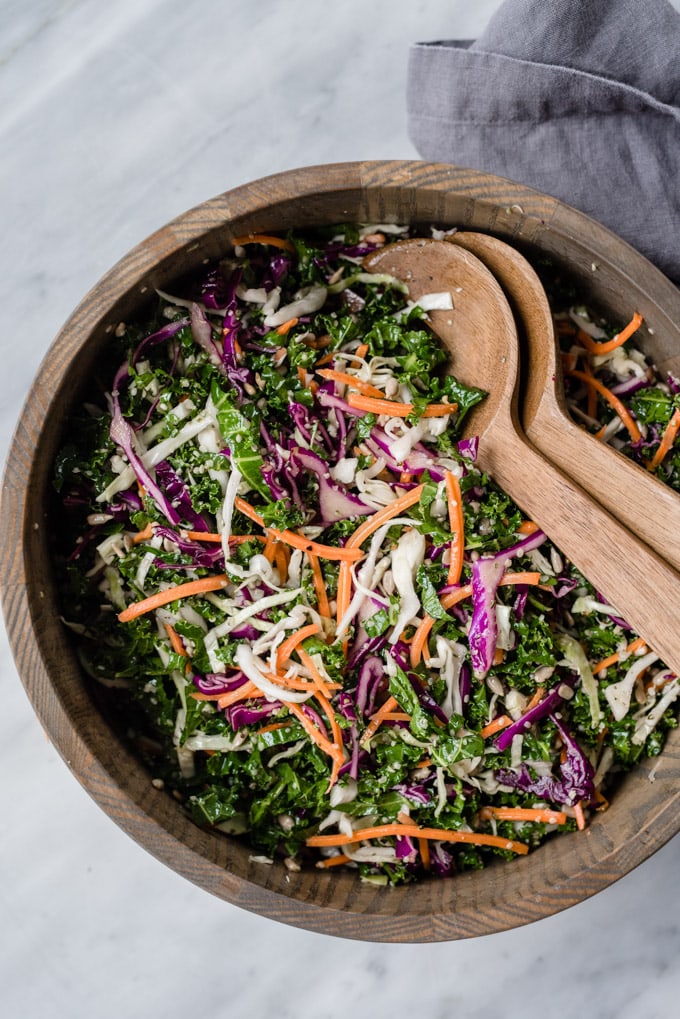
[480,334]
[638,499]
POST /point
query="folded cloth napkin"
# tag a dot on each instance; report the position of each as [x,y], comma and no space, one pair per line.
[577,98]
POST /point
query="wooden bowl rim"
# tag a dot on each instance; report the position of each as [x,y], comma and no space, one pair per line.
[580,865]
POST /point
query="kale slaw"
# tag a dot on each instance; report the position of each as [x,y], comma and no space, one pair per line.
[327,630]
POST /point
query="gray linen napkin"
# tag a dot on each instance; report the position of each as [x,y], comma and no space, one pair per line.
[577,98]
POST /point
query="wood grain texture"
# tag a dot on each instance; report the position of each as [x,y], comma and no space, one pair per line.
[480,334]
[638,499]
[642,817]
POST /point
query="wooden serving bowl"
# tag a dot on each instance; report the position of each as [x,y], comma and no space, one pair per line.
[644,813]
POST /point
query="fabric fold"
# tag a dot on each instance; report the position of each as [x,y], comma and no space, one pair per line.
[580,100]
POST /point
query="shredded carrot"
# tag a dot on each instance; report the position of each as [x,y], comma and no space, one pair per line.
[425,763]
[528,527]
[325,359]
[579,815]
[268,550]
[144,535]
[171,594]
[234,539]
[352,381]
[498,723]
[333,751]
[449,600]
[396,409]
[285,650]
[297,682]
[333,861]
[297,540]
[530,577]
[667,440]
[272,727]
[361,350]
[282,561]
[391,704]
[606,346]
[542,814]
[175,640]
[631,648]
[286,327]
[613,401]
[322,699]
[274,242]
[457,525]
[422,633]
[536,699]
[412,830]
[498,656]
[319,586]
[242,693]
[424,850]
[591,404]
[372,524]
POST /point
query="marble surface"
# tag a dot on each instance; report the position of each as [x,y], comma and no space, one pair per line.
[114,118]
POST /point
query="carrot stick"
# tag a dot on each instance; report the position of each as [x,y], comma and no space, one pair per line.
[272,727]
[325,359]
[396,409]
[268,550]
[449,600]
[281,561]
[424,850]
[391,704]
[289,645]
[352,381]
[144,535]
[530,577]
[438,834]
[242,693]
[613,401]
[372,524]
[361,350]
[344,594]
[297,540]
[274,242]
[422,633]
[334,752]
[333,861]
[175,640]
[171,594]
[542,814]
[286,327]
[605,347]
[667,440]
[234,539]
[320,684]
[631,648]
[537,697]
[501,722]
[591,406]
[457,524]
[319,586]
[330,715]
[579,815]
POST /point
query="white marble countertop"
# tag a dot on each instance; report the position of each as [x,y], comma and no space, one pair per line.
[113,119]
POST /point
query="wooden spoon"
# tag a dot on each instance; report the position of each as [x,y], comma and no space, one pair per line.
[481,336]
[634,496]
